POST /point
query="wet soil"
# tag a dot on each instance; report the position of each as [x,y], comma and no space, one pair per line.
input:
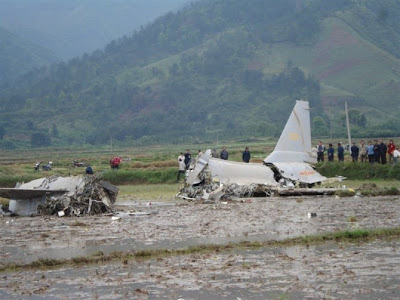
[364,271]
[335,271]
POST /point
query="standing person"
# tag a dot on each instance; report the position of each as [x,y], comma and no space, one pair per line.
[112,162]
[224,154]
[117,160]
[188,158]
[182,166]
[363,151]
[331,153]
[214,153]
[246,155]
[382,152]
[377,152]
[396,155]
[320,151]
[181,157]
[340,152]
[354,152]
[391,147]
[199,154]
[371,153]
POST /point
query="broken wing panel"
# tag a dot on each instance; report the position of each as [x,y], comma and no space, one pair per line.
[302,172]
[240,173]
[17,193]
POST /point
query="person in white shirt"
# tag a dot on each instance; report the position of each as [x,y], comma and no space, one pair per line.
[182,165]
[396,155]
[199,155]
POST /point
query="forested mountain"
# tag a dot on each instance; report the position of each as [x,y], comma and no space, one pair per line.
[72,27]
[228,66]
[17,55]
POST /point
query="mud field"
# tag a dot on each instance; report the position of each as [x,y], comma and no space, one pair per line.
[338,271]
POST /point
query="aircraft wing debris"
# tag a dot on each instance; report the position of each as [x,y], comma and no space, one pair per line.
[72,196]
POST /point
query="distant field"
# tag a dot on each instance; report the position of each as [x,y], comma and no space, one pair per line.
[156,165]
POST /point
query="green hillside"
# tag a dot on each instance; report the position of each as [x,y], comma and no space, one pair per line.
[18,55]
[227,67]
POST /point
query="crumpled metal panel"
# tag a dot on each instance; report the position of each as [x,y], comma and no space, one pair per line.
[302,172]
[240,173]
[83,194]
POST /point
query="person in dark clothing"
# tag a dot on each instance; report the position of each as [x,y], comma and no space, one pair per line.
[354,152]
[214,153]
[340,152]
[89,170]
[331,153]
[377,152]
[382,152]
[188,158]
[224,154]
[246,155]
[320,151]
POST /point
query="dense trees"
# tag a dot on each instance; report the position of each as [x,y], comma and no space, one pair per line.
[186,75]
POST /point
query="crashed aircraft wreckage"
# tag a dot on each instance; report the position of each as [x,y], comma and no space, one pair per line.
[288,166]
[65,196]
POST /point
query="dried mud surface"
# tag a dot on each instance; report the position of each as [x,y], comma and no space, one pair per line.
[334,271]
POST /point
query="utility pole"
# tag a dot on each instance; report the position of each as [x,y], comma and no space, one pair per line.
[347,123]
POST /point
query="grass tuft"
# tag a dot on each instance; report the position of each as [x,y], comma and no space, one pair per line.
[79,223]
[352,219]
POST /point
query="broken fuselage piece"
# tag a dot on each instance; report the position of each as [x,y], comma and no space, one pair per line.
[288,166]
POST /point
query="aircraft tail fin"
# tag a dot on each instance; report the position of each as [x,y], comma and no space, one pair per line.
[294,144]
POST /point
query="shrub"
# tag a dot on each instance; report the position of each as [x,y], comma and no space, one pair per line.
[359,171]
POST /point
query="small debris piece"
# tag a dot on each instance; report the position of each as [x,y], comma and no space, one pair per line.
[311,215]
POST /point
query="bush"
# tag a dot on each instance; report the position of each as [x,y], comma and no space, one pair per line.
[359,171]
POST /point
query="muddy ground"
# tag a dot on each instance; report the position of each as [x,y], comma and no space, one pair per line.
[341,271]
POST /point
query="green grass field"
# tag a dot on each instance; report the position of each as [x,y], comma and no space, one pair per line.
[150,172]
[158,192]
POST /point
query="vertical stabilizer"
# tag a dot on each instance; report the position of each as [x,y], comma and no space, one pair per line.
[294,144]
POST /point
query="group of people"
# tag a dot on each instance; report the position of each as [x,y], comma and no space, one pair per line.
[374,153]
[184,159]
